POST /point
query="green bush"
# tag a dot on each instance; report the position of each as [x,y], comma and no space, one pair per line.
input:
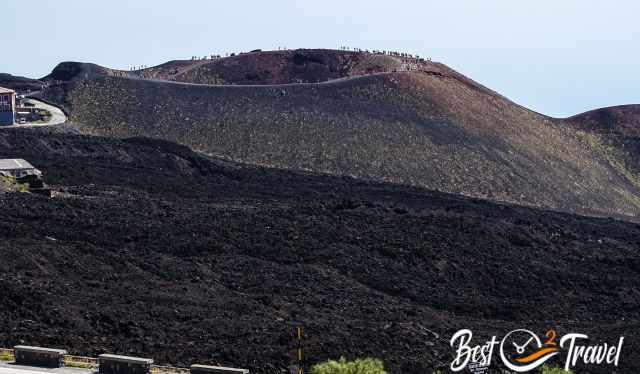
[358,366]
[550,370]
[79,365]
[11,184]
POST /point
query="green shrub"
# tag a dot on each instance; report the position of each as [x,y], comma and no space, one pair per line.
[79,365]
[10,184]
[358,366]
[6,357]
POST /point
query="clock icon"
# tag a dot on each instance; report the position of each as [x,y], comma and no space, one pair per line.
[521,350]
[518,342]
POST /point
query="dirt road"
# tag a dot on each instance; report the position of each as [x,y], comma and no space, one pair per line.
[57,115]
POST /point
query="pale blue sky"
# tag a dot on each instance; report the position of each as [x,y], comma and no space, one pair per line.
[558,57]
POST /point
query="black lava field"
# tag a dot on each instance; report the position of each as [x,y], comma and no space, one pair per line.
[150,249]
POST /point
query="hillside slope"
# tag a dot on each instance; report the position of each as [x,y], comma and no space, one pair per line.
[618,132]
[150,249]
[19,84]
[432,128]
[277,67]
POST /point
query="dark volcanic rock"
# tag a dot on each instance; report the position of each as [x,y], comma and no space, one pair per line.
[19,84]
[68,71]
[150,249]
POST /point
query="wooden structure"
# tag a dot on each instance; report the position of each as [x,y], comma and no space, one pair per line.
[115,364]
[38,356]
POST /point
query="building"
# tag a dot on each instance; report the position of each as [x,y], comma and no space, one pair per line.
[7,106]
[115,364]
[204,369]
[17,168]
[38,356]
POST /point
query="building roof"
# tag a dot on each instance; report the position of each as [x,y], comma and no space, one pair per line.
[128,359]
[14,164]
[39,349]
[219,369]
[6,90]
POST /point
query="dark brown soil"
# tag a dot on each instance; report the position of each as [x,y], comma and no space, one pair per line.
[150,249]
[277,67]
[619,130]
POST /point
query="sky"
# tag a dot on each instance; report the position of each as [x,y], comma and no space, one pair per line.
[557,57]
